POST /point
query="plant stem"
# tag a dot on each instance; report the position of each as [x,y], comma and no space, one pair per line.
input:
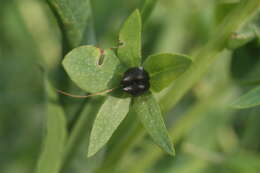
[207,55]
[147,9]
[202,61]
[81,130]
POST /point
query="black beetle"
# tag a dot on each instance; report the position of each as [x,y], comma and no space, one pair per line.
[135,81]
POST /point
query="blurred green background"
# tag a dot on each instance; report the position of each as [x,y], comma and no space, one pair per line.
[209,135]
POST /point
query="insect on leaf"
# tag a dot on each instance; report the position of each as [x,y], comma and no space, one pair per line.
[91,69]
[54,142]
[130,38]
[150,115]
[164,68]
[109,117]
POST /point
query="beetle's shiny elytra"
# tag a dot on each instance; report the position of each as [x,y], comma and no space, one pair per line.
[135,81]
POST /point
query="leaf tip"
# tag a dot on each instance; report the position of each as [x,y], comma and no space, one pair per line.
[136,15]
[90,154]
[170,149]
[92,150]
[172,153]
[137,12]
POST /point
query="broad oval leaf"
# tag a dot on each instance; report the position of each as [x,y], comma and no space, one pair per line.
[75,17]
[129,50]
[54,143]
[164,68]
[250,99]
[150,115]
[92,69]
[109,117]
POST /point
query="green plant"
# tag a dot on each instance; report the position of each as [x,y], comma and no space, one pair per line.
[106,130]
[97,70]
[84,67]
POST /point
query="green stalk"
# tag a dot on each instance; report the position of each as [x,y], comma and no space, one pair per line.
[202,61]
[147,9]
[207,55]
[81,131]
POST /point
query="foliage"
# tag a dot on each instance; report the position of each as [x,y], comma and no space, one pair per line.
[211,68]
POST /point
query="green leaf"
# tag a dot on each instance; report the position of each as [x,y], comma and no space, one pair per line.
[150,115]
[239,39]
[75,16]
[92,71]
[129,51]
[54,142]
[109,117]
[250,99]
[164,68]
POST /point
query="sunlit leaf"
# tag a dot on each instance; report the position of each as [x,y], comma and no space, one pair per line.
[150,115]
[109,117]
[129,51]
[164,68]
[91,69]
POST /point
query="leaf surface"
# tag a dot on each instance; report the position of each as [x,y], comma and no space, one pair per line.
[129,50]
[92,71]
[109,117]
[150,115]
[164,68]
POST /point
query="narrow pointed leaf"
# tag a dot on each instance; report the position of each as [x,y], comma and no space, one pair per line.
[109,117]
[75,17]
[90,70]
[150,115]
[129,51]
[164,68]
[250,99]
[54,142]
